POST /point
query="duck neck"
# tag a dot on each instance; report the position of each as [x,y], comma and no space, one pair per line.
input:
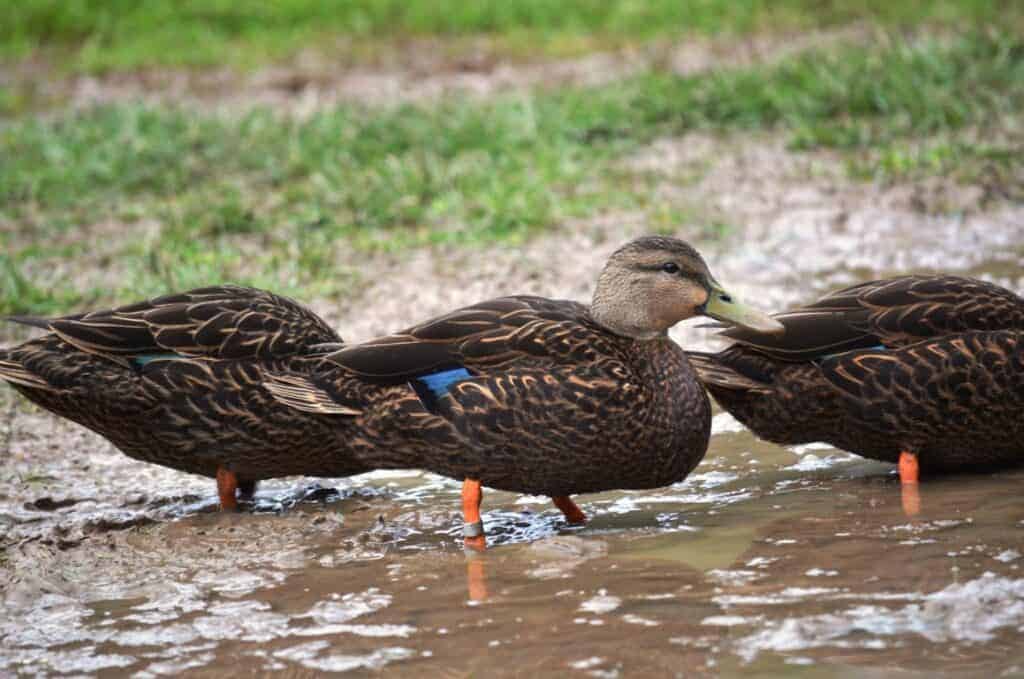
[622,316]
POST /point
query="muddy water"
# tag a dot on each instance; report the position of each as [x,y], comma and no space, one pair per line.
[765,561]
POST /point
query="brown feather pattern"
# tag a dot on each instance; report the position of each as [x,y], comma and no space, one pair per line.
[229,322]
[555,404]
[204,407]
[929,364]
[253,382]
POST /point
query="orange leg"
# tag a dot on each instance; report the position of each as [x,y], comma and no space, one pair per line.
[573,514]
[473,527]
[475,579]
[909,473]
[908,467]
[227,484]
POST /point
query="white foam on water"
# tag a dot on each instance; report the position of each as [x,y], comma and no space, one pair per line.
[969,612]
[734,577]
[308,655]
[374,631]
[602,602]
[711,479]
[633,619]
[349,607]
[587,663]
[730,620]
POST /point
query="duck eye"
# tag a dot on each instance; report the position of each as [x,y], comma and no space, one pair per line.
[670,267]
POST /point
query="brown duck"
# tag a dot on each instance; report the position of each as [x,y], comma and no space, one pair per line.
[176,381]
[926,371]
[525,394]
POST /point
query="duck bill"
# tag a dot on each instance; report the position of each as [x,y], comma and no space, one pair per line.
[722,306]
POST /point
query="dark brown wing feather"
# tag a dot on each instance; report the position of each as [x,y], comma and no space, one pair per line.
[894,312]
[227,321]
[929,364]
[490,339]
[16,373]
[734,368]
[477,337]
[957,399]
[552,401]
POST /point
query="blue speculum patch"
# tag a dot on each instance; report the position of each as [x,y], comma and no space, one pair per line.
[439,383]
[143,359]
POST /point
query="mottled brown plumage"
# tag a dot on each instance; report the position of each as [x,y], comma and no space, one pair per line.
[554,403]
[545,396]
[521,393]
[177,381]
[930,365]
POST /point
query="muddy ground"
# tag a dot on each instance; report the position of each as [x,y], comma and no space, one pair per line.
[420,70]
[765,560]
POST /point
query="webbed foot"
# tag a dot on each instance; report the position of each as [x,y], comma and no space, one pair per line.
[573,514]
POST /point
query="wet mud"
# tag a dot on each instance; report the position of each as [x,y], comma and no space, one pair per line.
[766,560]
[416,70]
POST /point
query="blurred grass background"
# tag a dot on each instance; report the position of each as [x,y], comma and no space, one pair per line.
[97,35]
[183,195]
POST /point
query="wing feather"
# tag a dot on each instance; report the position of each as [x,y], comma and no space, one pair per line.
[19,374]
[300,393]
[891,313]
[485,335]
[229,322]
[715,369]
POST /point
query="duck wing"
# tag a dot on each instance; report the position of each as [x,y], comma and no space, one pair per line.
[945,387]
[227,322]
[458,353]
[480,338]
[888,313]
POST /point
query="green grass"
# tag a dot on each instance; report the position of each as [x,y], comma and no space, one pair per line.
[996,163]
[98,35]
[230,196]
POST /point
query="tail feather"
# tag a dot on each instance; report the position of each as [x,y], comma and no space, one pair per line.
[712,371]
[301,394]
[33,321]
[16,373]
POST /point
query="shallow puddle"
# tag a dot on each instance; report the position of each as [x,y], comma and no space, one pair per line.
[765,560]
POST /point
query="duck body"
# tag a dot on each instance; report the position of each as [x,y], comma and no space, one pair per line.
[533,395]
[525,394]
[177,381]
[931,366]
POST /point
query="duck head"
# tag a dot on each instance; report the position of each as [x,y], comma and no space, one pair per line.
[654,282]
